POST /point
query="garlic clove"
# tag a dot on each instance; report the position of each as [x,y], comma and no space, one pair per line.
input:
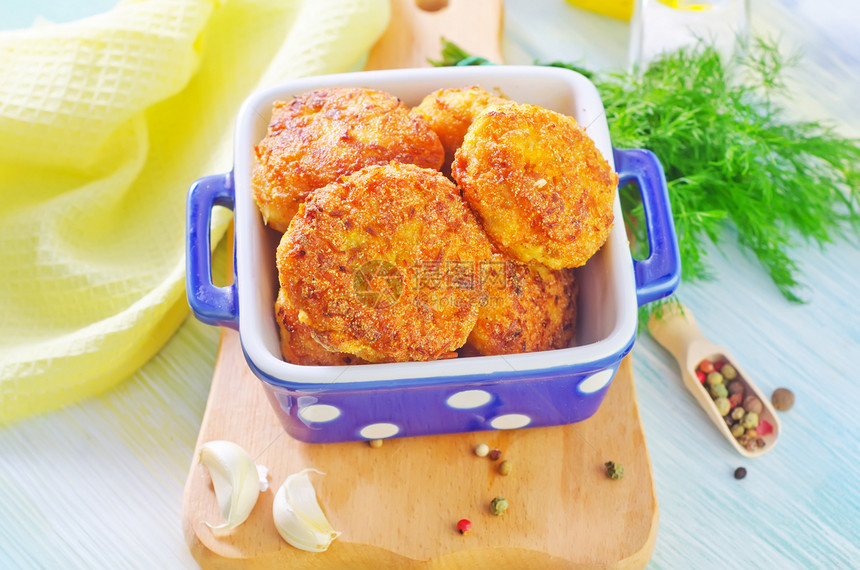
[235,478]
[298,516]
[263,474]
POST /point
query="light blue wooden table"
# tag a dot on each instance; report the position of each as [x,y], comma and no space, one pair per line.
[99,484]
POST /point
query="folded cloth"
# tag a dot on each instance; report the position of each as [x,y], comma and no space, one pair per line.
[104,123]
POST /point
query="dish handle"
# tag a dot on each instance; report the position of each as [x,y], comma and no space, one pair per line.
[658,275]
[212,305]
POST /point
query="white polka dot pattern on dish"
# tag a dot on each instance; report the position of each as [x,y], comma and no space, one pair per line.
[319,413]
[469,399]
[596,381]
[510,421]
[379,431]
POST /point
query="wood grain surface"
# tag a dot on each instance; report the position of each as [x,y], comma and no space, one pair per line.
[397,506]
[414,34]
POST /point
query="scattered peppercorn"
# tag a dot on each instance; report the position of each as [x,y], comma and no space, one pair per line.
[464,526]
[718,391]
[750,420]
[498,506]
[494,454]
[375,443]
[505,467]
[764,427]
[614,470]
[752,404]
[482,449]
[715,378]
[740,473]
[782,399]
[735,400]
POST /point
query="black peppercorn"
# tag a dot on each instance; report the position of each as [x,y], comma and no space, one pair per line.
[740,473]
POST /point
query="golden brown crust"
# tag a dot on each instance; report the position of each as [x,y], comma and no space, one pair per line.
[297,339]
[528,308]
[382,264]
[449,112]
[540,187]
[324,134]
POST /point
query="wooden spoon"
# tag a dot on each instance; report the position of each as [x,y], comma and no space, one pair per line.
[676,330]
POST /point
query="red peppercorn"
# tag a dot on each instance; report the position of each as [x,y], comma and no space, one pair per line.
[764,427]
[735,400]
[464,526]
[718,365]
[494,454]
[701,376]
[706,366]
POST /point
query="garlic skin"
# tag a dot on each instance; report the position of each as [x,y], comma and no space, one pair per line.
[298,516]
[236,479]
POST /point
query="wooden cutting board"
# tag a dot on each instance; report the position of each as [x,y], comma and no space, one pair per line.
[397,506]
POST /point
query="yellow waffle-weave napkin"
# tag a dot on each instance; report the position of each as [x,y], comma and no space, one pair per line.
[104,123]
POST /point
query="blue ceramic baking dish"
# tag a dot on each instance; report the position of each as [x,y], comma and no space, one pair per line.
[321,404]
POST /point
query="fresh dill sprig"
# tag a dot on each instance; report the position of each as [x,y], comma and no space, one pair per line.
[454,55]
[732,161]
[731,158]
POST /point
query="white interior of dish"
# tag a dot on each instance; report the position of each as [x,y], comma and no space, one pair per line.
[607,297]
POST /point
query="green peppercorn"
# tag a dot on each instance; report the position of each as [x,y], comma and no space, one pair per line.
[714,378]
[735,387]
[723,406]
[718,391]
[498,506]
[505,467]
[738,413]
[750,420]
[729,371]
[614,470]
[752,404]
[375,443]
[738,430]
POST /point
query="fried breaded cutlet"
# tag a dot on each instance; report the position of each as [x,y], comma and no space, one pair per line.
[324,134]
[528,308]
[382,264]
[541,189]
[449,112]
[297,339]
